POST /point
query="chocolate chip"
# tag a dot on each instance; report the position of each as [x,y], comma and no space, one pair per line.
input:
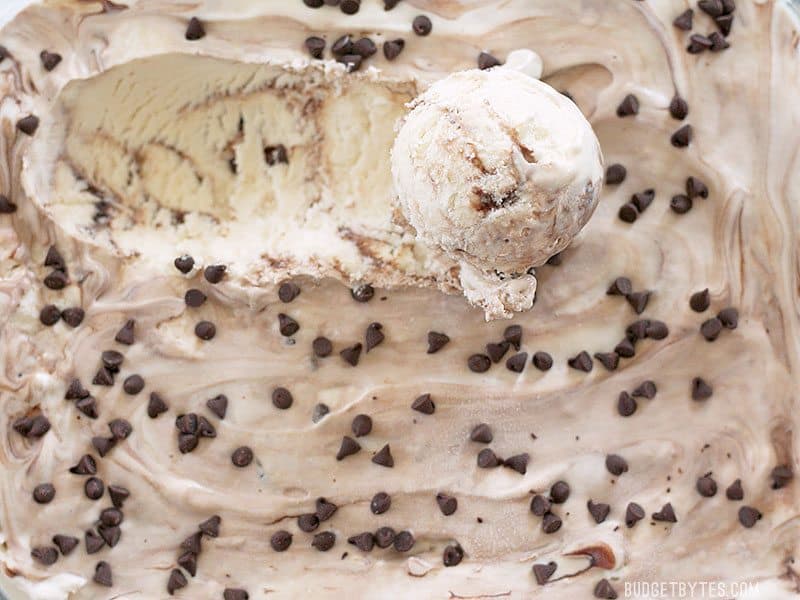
[540,505]
[315,46]
[555,260]
[75,390]
[384,537]
[281,540]
[626,405]
[700,301]
[194,298]
[214,273]
[324,541]
[436,341]
[205,330]
[242,456]
[65,543]
[551,523]
[57,280]
[44,493]
[351,61]
[729,317]
[749,516]
[706,486]
[642,200]
[111,517]
[49,315]
[637,330]
[598,510]
[364,47]
[93,541]
[49,60]
[633,514]
[184,263]
[603,589]
[287,325]
[628,213]
[104,376]
[54,259]
[424,404]
[781,476]
[481,433]
[684,20]
[422,25]
[32,427]
[374,336]
[621,286]
[581,362]
[195,30]
[322,347]
[616,465]
[219,405]
[656,330]
[711,328]
[363,541]
[542,361]
[73,316]
[682,137]
[350,7]
[112,360]
[46,555]
[125,334]
[176,581]
[447,504]
[698,43]
[628,107]
[615,174]
[193,543]
[188,561]
[404,541]
[235,594]
[156,406]
[735,491]
[313,3]
[517,362]
[288,291]
[452,555]
[282,398]
[93,488]
[542,572]
[361,425]
[513,335]
[187,442]
[110,534]
[487,61]
[518,462]
[390,4]
[724,24]
[680,204]
[118,495]
[210,526]
[712,8]
[610,360]
[487,459]
[28,125]
[341,46]
[133,384]
[308,522]
[384,457]
[479,363]
[6,206]
[380,503]
[351,354]
[666,514]
[393,48]
[88,406]
[86,465]
[325,509]
[347,448]
[718,42]
[646,389]
[497,351]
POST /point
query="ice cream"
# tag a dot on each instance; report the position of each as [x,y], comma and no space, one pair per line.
[497,169]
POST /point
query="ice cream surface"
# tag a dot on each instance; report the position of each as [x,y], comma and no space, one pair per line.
[177,421]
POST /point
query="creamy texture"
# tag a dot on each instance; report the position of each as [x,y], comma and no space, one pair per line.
[741,243]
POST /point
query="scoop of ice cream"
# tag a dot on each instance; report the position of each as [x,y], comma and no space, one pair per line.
[497,169]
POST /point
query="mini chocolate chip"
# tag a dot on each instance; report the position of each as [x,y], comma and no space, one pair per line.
[711,328]
[187,442]
[193,542]
[93,488]
[184,263]
[6,206]
[214,273]
[188,561]
[219,405]
[749,516]
[781,476]
[49,60]
[287,325]
[646,389]
[49,315]
[195,30]
[555,260]
[424,404]
[518,462]
[540,505]
[110,534]
[308,522]
[374,336]
[404,541]
[422,25]
[642,200]
[112,360]
[111,517]
[616,465]
[636,331]
[46,555]
[384,457]
[350,7]
[684,20]
[351,354]
[194,298]
[341,46]
[452,555]
[351,61]
[364,47]
[610,360]
[104,376]
[700,301]
[315,46]
[724,24]
[282,398]
[393,48]
[682,137]
[363,293]
[235,594]
[205,428]
[542,361]
[729,317]
[347,448]
[666,514]
[363,541]
[718,42]
[656,330]
[603,589]
[93,541]
[325,509]
[628,213]
[118,495]
[695,188]
[87,406]
[626,405]
[615,174]
[479,363]
[487,459]
[638,301]
[581,362]
[86,465]
[621,286]
[205,330]
[735,491]
[487,61]
[73,316]
[628,107]
[497,351]
[698,43]
[380,503]
[324,541]
[156,406]
[436,341]
[57,280]
[28,125]
[542,572]
[633,514]
[361,425]
[44,493]
[513,335]
[313,3]
[32,427]
[242,456]
[559,492]
[680,204]
[447,504]
[210,526]
[125,334]
[75,391]
[322,347]
[54,259]
[384,537]
[65,543]
[133,384]
[706,486]
[517,363]
[598,510]
[481,433]
[176,581]
[712,8]
[551,523]
[678,108]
